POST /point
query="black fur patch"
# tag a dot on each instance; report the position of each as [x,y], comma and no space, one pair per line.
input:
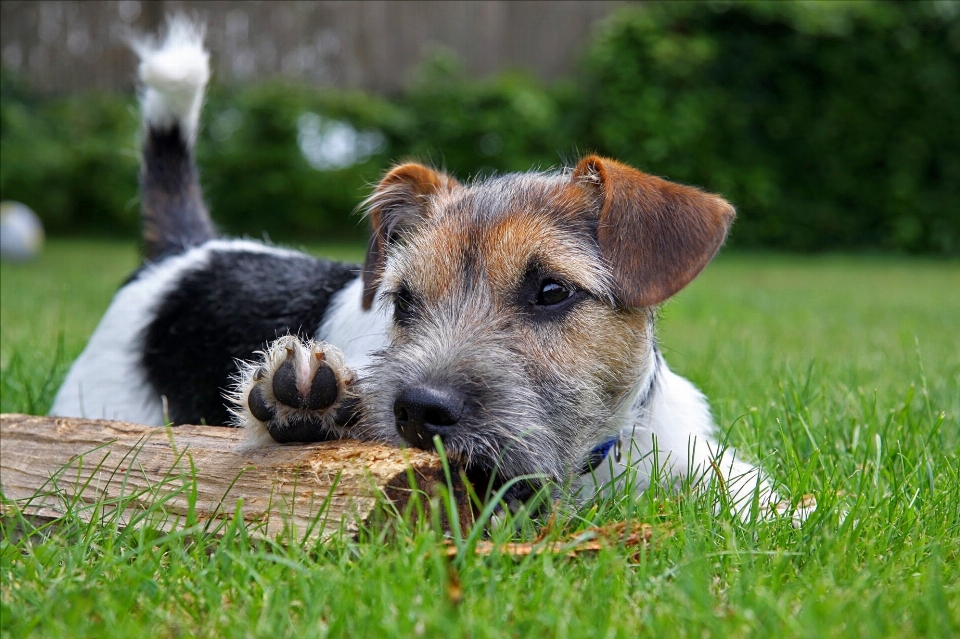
[234,305]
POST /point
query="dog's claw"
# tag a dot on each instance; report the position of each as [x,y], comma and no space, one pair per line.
[293,397]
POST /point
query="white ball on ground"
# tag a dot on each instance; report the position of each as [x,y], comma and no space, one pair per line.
[21,232]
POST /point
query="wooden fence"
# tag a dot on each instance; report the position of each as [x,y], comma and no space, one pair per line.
[374,45]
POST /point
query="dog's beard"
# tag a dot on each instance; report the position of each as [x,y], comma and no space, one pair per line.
[519,434]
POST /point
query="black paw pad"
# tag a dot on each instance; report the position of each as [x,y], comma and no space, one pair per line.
[295,393]
[259,407]
[285,385]
[298,432]
[323,389]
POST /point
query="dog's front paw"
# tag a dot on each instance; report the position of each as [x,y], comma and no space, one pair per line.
[300,391]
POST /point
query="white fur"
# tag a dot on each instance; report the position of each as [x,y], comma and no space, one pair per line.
[174,73]
[356,332]
[107,380]
[673,435]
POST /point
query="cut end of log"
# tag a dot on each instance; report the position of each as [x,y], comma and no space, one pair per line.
[50,466]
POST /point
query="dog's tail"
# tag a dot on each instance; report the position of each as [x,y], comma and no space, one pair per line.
[174,72]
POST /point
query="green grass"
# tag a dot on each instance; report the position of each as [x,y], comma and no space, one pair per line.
[841,374]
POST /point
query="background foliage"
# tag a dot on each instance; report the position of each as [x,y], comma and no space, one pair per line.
[829,126]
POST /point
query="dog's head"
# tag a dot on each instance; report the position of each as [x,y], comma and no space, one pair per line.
[523,307]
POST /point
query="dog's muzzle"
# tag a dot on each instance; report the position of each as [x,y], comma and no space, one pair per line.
[423,412]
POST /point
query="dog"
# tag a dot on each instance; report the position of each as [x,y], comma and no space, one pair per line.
[510,319]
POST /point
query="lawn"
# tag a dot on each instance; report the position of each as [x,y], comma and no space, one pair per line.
[841,374]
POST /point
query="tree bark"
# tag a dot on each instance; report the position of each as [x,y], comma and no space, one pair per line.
[168,478]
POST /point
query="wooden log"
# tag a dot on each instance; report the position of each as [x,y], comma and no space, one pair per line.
[202,474]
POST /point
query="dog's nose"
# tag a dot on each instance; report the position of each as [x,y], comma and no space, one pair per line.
[425,411]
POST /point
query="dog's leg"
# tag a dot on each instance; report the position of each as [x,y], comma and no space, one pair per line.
[677,434]
[300,391]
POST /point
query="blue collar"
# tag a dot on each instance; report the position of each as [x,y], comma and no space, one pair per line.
[599,453]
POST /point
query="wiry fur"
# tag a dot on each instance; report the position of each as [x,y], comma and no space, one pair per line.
[541,394]
[448,314]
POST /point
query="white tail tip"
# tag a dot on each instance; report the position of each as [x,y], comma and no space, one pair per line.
[174,71]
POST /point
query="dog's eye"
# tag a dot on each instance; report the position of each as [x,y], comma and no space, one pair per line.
[402,305]
[552,293]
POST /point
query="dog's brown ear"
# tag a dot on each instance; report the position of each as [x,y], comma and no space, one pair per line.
[656,235]
[397,204]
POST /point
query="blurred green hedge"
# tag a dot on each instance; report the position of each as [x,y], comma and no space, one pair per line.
[829,126]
